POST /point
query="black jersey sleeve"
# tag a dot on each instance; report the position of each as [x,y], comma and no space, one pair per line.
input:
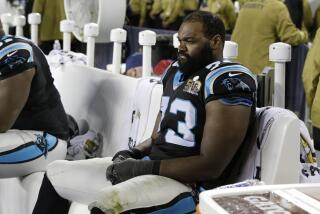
[232,84]
[15,58]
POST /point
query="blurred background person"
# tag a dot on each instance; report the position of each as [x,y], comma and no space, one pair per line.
[224,9]
[138,13]
[311,75]
[259,24]
[307,15]
[300,13]
[171,12]
[161,67]
[317,18]
[52,12]
[134,65]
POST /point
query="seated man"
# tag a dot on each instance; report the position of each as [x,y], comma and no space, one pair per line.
[33,123]
[134,65]
[207,109]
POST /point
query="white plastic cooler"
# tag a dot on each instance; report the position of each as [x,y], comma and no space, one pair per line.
[289,198]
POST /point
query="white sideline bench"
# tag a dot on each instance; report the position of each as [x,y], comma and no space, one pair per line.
[101,92]
[279,139]
[106,101]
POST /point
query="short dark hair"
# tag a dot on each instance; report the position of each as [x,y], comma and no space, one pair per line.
[212,24]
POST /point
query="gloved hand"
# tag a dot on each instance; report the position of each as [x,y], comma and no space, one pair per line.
[130,168]
[125,154]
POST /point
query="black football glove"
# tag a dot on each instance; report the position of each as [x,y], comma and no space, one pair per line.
[125,154]
[130,168]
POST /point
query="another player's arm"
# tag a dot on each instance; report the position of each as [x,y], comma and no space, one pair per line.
[14,93]
[224,131]
[16,74]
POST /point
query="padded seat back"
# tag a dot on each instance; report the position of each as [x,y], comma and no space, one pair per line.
[106,101]
[274,157]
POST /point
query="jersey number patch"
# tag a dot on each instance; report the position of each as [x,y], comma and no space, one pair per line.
[184,128]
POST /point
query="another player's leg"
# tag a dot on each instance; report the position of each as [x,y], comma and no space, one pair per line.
[25,152]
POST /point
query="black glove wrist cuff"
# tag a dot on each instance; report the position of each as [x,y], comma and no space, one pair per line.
[136,153]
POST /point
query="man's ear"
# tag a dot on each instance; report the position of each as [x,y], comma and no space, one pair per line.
[216,42]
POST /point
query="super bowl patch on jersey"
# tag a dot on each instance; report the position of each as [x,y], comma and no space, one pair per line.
[193,86]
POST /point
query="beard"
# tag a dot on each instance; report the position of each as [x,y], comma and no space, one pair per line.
[189,65]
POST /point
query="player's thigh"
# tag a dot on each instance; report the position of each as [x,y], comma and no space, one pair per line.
[24,152]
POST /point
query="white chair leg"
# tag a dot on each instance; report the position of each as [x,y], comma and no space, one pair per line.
[147,39]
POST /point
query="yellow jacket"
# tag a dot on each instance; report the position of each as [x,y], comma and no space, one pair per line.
[259,24]
[156,7]
[317,18]
[225,10]
[52,12]
[171,9]
[307,15]
[311,81]
[190,5]
[242,2]
[135,6]
[139,7]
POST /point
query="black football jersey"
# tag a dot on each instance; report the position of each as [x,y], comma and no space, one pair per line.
[184,99]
